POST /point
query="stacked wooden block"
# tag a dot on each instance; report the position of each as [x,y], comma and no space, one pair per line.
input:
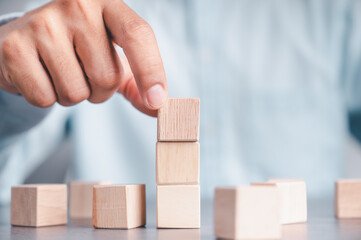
[257,211]
[348,198]
[177,164]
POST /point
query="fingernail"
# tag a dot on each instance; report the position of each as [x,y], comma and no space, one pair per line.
[155,96]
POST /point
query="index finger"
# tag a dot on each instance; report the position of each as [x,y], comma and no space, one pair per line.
[137,39]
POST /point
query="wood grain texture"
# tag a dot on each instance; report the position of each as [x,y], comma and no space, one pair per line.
[81,198]
[119,206]
[293,199]
[38,205]
[348,198]
[178,120]
[178,206]
[177,163]
[247,213]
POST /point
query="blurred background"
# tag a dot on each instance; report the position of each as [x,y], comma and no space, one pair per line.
[56,167]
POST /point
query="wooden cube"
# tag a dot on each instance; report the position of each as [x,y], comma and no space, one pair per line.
[178,206]
[38,205]
[178,120]
[177,163]
[81,198]
[119,206]
[348,198]
[247,212]
[293,199]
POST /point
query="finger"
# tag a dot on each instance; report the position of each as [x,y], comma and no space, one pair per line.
[137,39]
[8,87]
[129,89]
[25,70]
[98,57]
[64,68]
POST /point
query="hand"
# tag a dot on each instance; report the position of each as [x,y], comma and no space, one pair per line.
[64,52]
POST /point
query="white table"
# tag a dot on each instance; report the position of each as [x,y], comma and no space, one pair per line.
[321,225]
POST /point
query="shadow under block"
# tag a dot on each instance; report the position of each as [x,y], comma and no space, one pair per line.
[348,198]
[81,198]
[247,212]
[177,163]
[38,205]
[178,206]
[178,120]
[293,199]
[119,206]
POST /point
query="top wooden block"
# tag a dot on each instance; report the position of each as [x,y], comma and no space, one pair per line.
[293,199]
[178,120]
[38,205]
[348,198]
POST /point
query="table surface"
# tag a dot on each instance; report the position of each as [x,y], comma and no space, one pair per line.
[321,224]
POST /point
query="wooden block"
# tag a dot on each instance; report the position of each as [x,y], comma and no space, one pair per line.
[293,199]
[178,120]
[247,212]
[348,198]
[178,206]
[177,163]
[38,205]
[81,198]
[119,206]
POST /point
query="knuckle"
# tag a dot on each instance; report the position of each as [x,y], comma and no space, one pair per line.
[97,100]
[42,22]
[81,6]
[12,46]
[152,68]
[41,99]
[111,80]
[64,104]
[108,80]
[72,97]
[135,28]
[67,4]
[78,8]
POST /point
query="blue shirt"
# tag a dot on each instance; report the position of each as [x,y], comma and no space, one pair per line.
[275,78]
